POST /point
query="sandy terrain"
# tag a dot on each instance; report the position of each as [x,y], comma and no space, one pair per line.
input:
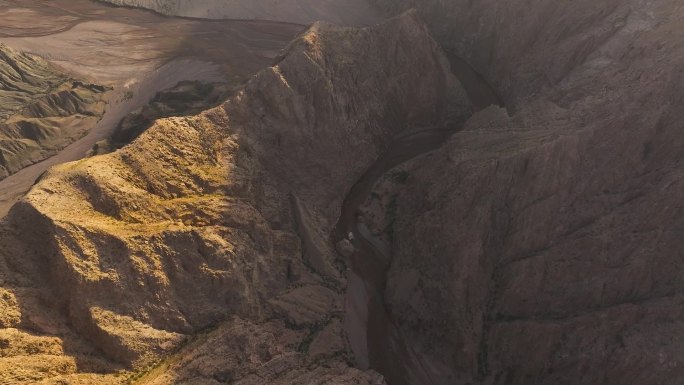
[117,44]
[345,12]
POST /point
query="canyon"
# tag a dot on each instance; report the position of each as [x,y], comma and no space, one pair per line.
[391,192]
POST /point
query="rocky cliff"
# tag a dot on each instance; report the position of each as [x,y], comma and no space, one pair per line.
[205,240]
[543,244]
[41,109]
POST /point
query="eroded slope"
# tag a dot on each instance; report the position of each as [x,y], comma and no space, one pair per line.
[193,225]
[42,109]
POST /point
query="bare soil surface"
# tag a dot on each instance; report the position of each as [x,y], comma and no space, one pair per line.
[345,12]
[119,44]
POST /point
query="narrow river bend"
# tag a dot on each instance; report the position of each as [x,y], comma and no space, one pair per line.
[375,340]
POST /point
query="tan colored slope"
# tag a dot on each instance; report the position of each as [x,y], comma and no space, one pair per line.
[42,109]
[191,226]
[185,98]
[345,12]
[22,77]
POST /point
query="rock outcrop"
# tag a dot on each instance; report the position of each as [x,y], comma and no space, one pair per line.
[42,109]
[192,226]
[542,245]
[185,98]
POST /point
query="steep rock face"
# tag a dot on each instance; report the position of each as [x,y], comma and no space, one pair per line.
[346,12]
[524,46]
[193,222]
[549,251]
[41,109]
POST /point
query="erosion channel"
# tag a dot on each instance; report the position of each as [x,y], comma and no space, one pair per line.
[376,342]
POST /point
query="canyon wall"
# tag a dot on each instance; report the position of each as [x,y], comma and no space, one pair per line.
[121,258]
[543,243]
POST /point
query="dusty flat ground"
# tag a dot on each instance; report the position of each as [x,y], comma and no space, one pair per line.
[137,52]
[345,12]
[115,44]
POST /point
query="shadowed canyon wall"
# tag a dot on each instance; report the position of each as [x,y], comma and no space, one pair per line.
[543,244]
